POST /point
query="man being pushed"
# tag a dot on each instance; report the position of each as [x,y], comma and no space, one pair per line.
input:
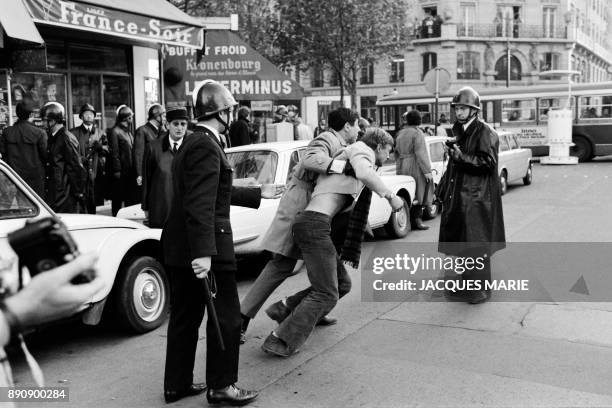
[333,194]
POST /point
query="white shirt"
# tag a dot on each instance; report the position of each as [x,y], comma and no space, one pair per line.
[465,126]
[178,143]
[88,128]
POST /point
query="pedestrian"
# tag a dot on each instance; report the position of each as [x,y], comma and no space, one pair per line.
[322,127]
[122,169]
[197,244]
[240,130]
[24,147]
[93,148]
[317,159]
[333,194]
[157,169]
[412,159]
[301,131]
[472,221]
[145,134]
[64,173]
[280,115]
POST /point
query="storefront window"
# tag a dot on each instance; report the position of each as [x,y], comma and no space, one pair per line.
[98,59]
[56,56]
[85,89]
[116,93]
[43,88]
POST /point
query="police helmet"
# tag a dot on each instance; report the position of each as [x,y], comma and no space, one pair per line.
[466,96]
[53,111]
[211,98]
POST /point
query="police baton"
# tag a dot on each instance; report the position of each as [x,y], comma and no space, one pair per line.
[212,313]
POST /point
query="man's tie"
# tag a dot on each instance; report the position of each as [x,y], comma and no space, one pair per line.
[175,148]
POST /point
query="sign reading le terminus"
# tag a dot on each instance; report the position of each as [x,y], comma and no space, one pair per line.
[113,22]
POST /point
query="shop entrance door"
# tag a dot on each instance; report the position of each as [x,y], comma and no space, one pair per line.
[116,92]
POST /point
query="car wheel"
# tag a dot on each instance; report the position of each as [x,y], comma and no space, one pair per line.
[503,179]
[143,296]
[581,149]
[528,176]
[398,225]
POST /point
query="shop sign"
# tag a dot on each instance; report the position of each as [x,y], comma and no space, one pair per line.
[262,106]
[230,61]
[97,19]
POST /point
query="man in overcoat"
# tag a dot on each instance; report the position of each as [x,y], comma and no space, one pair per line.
[157,168]
[472,221]
[197,244]
[147,133]
[64,172]
[93,148]
[122,168]
[24,147]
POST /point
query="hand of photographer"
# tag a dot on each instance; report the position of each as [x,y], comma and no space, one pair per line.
[50,295]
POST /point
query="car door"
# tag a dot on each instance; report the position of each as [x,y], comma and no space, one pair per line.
[438,159]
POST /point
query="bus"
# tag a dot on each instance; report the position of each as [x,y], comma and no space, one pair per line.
[523,111]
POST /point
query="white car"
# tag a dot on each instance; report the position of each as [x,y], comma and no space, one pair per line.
[272,163]
[135,283]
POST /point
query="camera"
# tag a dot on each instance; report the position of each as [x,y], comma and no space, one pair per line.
[451,143]
[45,244]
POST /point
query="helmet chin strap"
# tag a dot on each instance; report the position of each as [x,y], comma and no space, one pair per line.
[473,114]
[223,122]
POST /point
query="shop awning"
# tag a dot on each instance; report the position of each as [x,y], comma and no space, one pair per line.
[155,21]
[231,61]
[17,23]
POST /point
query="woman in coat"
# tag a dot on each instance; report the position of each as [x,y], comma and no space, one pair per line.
[412,159]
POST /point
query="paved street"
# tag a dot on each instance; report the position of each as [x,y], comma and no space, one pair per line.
[395,354]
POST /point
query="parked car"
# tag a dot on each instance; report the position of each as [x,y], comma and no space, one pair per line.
[514,164]
[514,161]
[135,283]
[273,163]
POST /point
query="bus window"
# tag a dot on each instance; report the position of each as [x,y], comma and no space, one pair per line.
[599,106]
[545,104]
[487,113]
[518,110]
[425,113]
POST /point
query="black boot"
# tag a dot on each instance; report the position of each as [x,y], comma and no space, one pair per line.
[416,218]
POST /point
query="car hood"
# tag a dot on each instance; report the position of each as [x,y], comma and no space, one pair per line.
[90,221]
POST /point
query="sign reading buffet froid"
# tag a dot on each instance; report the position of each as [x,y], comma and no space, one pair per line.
[230,61]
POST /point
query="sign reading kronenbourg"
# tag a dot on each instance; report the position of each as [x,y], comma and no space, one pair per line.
[230,61]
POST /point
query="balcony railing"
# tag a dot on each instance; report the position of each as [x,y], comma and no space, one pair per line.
[515,31]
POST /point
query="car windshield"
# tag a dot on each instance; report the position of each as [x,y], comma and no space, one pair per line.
[256,164]
[13,202]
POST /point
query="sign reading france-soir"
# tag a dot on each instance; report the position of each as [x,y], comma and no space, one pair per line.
[230,61]
[103,20]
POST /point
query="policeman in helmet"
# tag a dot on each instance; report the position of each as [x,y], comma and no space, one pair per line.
[197,244]
[472,221]
[64,172]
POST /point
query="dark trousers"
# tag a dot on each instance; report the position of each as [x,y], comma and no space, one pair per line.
[187,304]
[312,233]
[125,192]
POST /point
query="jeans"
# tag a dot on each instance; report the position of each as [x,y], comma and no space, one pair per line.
[312,233]
[280,268]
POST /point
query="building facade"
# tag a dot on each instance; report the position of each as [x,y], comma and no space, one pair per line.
[483,43]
